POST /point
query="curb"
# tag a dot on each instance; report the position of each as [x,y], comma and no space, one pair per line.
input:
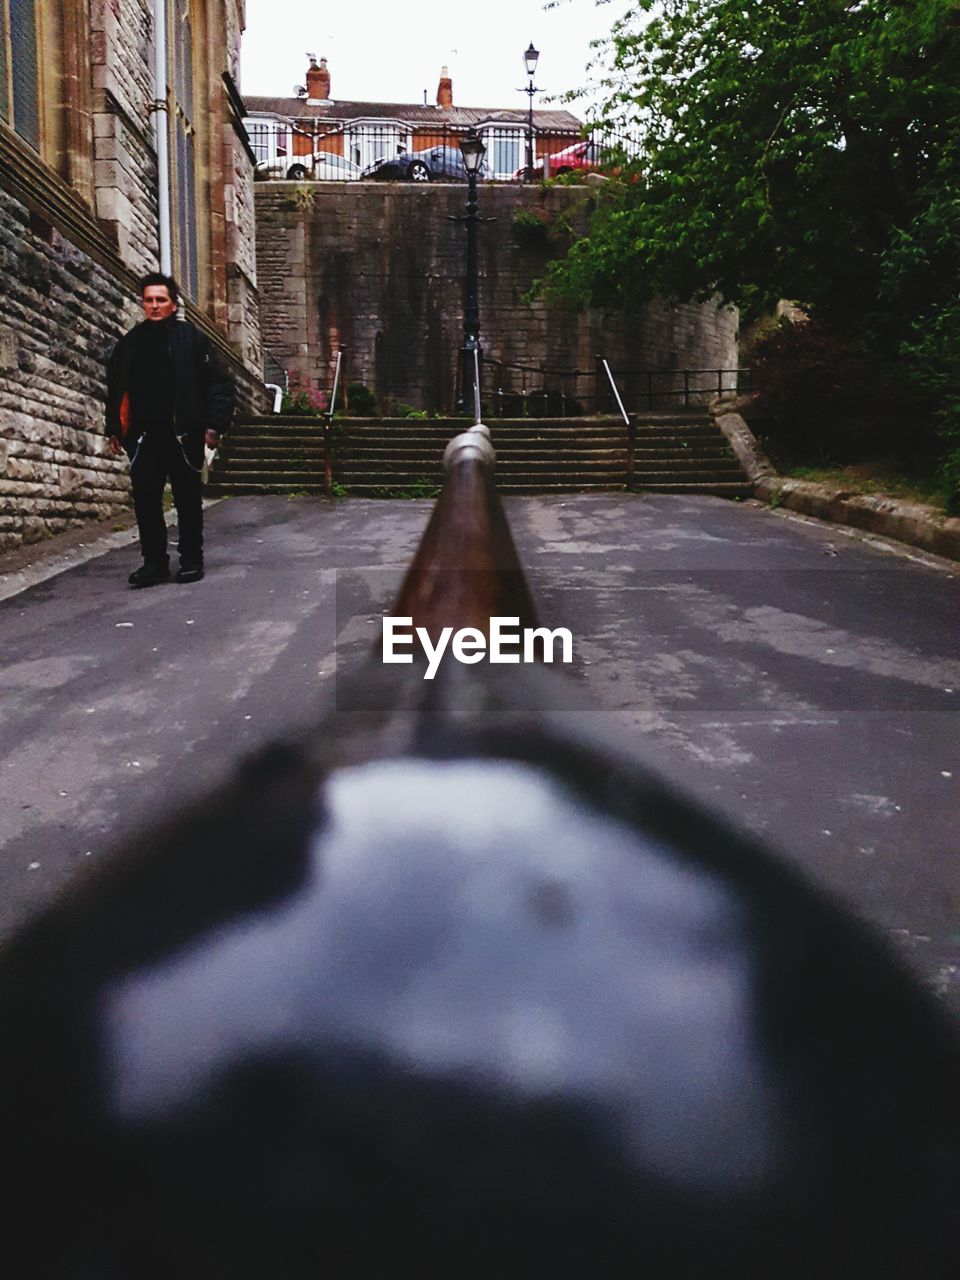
[913,523]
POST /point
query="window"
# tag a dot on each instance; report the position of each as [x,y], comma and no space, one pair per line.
[269,139]
[20,69]
[367,143]
[506,151]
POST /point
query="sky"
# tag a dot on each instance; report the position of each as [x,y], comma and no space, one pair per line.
[388,51]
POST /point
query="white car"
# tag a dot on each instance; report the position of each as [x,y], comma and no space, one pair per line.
[322,166]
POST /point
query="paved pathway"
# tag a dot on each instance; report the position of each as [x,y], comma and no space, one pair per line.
[805,682]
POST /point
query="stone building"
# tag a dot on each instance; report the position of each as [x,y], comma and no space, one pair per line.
[82,212]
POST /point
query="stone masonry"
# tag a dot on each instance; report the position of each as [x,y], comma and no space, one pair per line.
[63,311]
[377,269]
[78,226]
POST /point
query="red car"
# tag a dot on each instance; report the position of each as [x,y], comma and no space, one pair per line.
[580,155]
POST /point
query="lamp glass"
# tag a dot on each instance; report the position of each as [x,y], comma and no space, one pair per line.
[530,59]
[472,150]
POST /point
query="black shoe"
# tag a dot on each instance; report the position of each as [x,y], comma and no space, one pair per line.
[190,573]
[148,575]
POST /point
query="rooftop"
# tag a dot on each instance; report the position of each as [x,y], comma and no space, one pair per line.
[455,117]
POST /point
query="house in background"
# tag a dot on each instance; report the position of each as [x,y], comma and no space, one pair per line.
[287,133]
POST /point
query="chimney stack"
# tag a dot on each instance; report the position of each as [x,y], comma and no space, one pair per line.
[445,90]
[318,81]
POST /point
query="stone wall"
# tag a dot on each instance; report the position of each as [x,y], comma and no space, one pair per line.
[78,226]
[63,312]
[125,167]
[378,269]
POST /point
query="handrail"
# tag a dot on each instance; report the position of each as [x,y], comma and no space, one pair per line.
[327,451]
[336,381]
[616,393]
[631,426]
[581,387]
[466,569]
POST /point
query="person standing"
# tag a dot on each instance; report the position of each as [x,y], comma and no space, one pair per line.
[167,397]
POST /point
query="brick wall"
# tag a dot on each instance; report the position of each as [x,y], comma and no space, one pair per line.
[378,269]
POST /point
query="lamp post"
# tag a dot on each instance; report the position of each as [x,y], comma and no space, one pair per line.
[473,151]
[530,58]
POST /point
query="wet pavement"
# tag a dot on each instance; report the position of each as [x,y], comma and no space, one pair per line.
[804,682]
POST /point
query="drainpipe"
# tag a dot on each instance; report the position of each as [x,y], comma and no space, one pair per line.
[160,111]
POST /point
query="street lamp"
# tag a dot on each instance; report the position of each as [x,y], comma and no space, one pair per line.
[530,57]
[473,151]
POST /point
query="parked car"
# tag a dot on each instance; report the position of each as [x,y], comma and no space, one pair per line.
[322,166]
[580,155]
[435,163]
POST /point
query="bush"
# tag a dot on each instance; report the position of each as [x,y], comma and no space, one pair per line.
[827,398]
[300,398]
[361,402]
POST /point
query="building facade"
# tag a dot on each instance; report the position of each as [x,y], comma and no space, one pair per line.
[81,209]
[292,131]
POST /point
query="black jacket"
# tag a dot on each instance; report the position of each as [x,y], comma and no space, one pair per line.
[204,392]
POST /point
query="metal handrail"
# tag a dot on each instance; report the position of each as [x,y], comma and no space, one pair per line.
[327,451]
[616,393]
[336,381]
[631,427]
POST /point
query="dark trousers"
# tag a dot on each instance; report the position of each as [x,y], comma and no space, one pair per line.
[157,458]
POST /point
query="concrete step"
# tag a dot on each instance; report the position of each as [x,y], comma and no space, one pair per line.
[675,452]
[677,475]
[722,489]
[689,467]
[366,489]
[241,489]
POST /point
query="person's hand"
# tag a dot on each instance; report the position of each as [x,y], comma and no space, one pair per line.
[211,438]
[114,447]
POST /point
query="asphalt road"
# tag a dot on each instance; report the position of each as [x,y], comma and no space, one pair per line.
[804,682]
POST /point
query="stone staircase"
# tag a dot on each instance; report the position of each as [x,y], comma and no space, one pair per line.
[402,457]
[686,453]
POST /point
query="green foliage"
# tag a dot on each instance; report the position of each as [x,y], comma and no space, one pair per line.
[416,489]
[300,398]
[781,146]
[921,280]
[302,198]
[531,228]
[402,410]
[361,400]
[803,151]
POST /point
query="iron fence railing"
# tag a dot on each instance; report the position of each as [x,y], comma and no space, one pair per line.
[512,389]
[311,149]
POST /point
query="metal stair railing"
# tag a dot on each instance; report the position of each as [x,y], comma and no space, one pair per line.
[631,427]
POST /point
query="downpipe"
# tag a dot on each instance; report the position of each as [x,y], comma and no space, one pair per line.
[161,113]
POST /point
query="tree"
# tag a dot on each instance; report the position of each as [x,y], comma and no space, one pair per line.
[782,145]
[801,149]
